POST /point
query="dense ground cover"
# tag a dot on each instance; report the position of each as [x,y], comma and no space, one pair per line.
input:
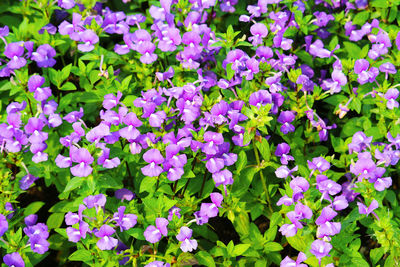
[199,132]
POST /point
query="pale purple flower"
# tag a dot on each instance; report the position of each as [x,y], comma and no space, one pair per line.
[106,242]
[258,31]
[84,159]
[391,95]
[89,39]
[362,209]
[319,164]
[187,245]
[124,221]
[288,262]
[320,249]
[66,4]
[153,157]
[35,83]
[153,234]
[15,51]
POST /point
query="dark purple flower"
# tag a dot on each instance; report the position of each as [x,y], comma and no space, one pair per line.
[3,225]
[44,56]
[14,259]
[27,181]
[124,194]
[174,211]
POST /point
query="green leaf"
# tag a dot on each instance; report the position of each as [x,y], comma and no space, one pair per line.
[33,208]
[272,246]
[352,49]
[229,71]
[81,255]
[68,86]
[264,149]
[240,249]
[379,3]
[376,254]
[241,162]
[65,72]
[243,182]
[393,13]
[205,259]
[55,220]
[361,18]
[148,184]
[74,183]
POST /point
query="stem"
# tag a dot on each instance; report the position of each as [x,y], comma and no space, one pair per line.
[262,177]
[204,182]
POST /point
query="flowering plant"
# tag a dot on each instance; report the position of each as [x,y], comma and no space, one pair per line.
[199,132]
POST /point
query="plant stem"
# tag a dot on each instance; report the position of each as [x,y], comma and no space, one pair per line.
[262,177]
[204,182]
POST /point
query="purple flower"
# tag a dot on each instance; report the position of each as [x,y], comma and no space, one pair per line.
[340,203]
[97,201]
[286,117]
[15,51]
[124,194]
[124,221]
[259,31]
[282,151]
[34,85]
[67,4]
[153,234]
[89,38]
[147,50]
[27,181]
[322,18]
[111,101]
[319,164]
[212,140]
[174,211]
[362,209]
[299,185]
[14,259]
[320,249]
[44,56]
[154,157]
[288,262]
[184,236]
[157,264]
[84,159]
[359,142]
[391,95]
[3,225]
[106,242]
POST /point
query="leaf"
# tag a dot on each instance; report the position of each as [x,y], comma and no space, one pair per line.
[240,249]
[81,255]
[147,184]
[55,220]
[272,246]
[229,72]
[33,208]
[376,254]
[74,183]
[68,86]
[361,18]
[205,259]
[352,49]
[241,162]
[264,149]
[65,72]
[242,183]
